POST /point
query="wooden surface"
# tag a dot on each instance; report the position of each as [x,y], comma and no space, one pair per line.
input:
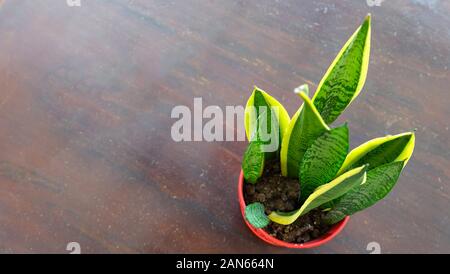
[86,95]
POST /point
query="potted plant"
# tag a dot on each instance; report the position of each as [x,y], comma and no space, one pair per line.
[299,182]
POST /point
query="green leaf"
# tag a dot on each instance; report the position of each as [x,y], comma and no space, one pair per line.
[253,162]
[304,128]
[262,111]
[255,215]
[323,159]
[380,151]
[346,76]
[379,183]
[385,152]
[260,98]
[323,194]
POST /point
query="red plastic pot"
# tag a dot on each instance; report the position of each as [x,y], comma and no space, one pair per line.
[263,235]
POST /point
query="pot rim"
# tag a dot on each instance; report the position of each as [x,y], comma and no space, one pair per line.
[263,235]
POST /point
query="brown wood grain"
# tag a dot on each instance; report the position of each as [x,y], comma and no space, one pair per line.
[86,95]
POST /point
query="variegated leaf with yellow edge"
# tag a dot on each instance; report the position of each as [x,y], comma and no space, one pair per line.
[260,98]
[264,116]
[304,128]
[382,150]
[379,183]
[346,75]
[324,194]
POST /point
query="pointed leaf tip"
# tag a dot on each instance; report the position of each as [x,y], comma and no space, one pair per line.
[303,88]
[345,77]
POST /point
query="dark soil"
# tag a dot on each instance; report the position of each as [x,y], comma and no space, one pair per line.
[278,193]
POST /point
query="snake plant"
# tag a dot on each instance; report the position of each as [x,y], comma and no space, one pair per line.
[331,178]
